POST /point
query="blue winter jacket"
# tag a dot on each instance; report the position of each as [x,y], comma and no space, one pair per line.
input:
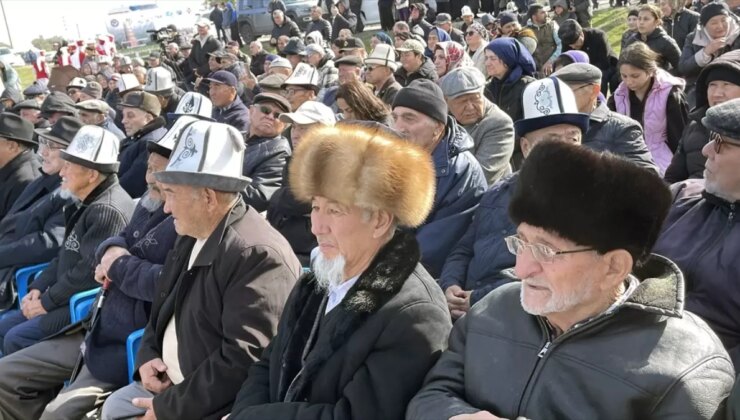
[133,156]
[477,261]
[702,236]
[460,184]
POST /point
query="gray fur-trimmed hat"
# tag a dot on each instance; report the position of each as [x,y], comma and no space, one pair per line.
[580,194]
[209,155]
[95,148]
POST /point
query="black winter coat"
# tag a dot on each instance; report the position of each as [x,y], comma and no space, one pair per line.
[426,71]
[15,177]
[258,63]
[104,213]
[234,114]
[133,156]
[288,28]
[264,160]
[347,20]
[321,26]
[681,26]
[198,57]
[664,45]
[227,308]
[149,237]
[364,359]
[596,45]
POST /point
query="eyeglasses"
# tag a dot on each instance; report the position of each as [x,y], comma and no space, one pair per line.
[268,111]
[470,33]
[719,140]
[543,254]
[293,91]
[51,145]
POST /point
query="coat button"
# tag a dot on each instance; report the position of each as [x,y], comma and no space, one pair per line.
[163,294]
[136,234]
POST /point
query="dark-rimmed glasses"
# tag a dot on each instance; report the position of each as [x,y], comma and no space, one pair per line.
[542,253]
[719,140]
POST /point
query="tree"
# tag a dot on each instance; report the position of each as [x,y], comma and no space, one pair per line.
[46,44]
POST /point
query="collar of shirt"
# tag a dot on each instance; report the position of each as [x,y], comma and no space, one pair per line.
[337,293]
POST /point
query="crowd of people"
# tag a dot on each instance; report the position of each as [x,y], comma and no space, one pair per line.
[494,219]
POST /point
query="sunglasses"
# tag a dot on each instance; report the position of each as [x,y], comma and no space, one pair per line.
[268,111]
[719,140]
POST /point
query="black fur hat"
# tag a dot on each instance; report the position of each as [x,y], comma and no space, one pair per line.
[593,199]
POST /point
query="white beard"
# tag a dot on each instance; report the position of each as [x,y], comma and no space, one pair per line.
[559,302]
[328,272]
[68,195]
[149,203]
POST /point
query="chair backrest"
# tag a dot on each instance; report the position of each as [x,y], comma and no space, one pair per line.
[132,347]
[25,275]
[80,303]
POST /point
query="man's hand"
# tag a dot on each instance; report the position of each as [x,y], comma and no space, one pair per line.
[109,257]
[32,294]
[33,308]
[458,301]
[154,376]
[547,68]
[715,45]
[145,403]
[481,415]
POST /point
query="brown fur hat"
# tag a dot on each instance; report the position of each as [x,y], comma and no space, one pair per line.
[367,166]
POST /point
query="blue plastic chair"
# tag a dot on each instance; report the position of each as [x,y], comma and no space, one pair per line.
[80,304]
[132,347]
[25,275]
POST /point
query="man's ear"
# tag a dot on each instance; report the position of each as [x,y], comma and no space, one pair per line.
[619,266]
[382,223]
[526,146]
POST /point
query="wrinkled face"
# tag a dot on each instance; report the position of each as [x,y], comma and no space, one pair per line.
[298,95]
[221,94]
[31,115]
[91,118]
[264,120]
[432,40]
[340,230]
[467,109]
[719,91]
[297,131]
[345,109]
[348,73]
[417,127]
[411,61]
[51,161]
[558,132]
[155,163]
[646,22]
[494,66]
[665,7]
[632,23]
[134,119]
[185,204]
[721,176]
[635,78]
[584,94]
[172,51]
[570,282]
[75,178]
[313,59]
[440,63]
[376,75]
[282,42]
[718,26]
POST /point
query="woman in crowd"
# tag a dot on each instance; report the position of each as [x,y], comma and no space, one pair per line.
[651,32]
[435,35]
[448,56]
[356,102]
[510,27]
[678,21]
[631,31]
[651,96]
[718,82]
[476,37]
[570,57]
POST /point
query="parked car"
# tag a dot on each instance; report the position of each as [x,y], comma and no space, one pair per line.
[254,21]
[8,56]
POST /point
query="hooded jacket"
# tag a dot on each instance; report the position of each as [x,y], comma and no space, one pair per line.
[362,360]
[421,22]
[133,157]
[426,71]
[664,45]
[646,359]
[15,177]
[688,161]
[680,25]
[702,235]
[460,184]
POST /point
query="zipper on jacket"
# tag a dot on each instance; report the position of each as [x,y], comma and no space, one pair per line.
[542,352]
[731,216]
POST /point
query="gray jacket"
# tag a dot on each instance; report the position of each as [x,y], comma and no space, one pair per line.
[264,160]
[493,139]
[647,359]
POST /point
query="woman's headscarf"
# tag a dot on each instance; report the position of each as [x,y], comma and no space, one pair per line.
[442,36]
[515,56]
[454,55]
[578,56]
[482,31]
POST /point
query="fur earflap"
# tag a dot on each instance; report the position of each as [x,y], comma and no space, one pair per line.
[365,166]
[593,199]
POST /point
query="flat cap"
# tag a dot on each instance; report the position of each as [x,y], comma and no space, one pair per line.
[579,73]
[35,89]
[93,105]
[278,100]
[273,81]
[350,60]
[411,45]
[352,44]
[461,81]
[443,18]
[144,101]
[27,104]
[724,119]
[93,89]
[57,102]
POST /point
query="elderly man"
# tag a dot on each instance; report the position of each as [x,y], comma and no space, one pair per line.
[140,119]
[160,84]
[33,230]
[701,233]
[608,131]
[57,105]
[491,128]
[319,24]
[380,66]
[155,61]
[129,266]
[203,44]
[95,112]
[420,114]
[102,208]
[476,264]
[258,58]
[368,319]
[302,85]
[549,46]
[349,68]
[227,107]
[219,297]
[267,149]
[283,26]
[74,87]
[414,64]
[19,166]
[593,307]
[93,90]
[328,73]
[285,213]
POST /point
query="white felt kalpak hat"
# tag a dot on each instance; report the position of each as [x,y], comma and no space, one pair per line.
[158,81]
[95,148]
[547,102]
[207,154]
[195,105]
[166,144]
[128,82]
[383,55]
[77,82]
[303,75]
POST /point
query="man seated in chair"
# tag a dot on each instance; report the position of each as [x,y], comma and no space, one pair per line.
[220,294]
[101,209]
[130,262]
